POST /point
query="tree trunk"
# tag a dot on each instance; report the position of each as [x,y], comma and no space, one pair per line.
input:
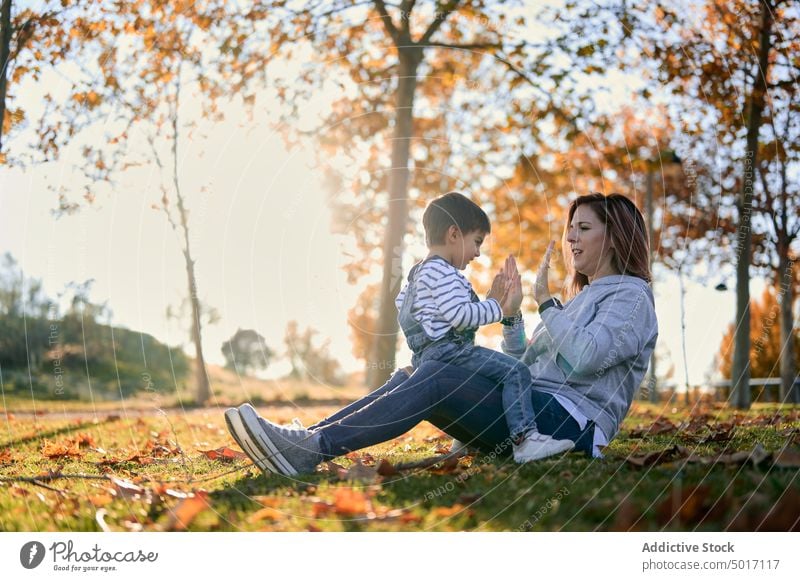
[652,377]
[201,377]
[203,392]
[740,377]
[382,362]
[786,296]
[5,56]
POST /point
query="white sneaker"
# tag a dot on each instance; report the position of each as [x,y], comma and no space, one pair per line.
[459,448]
[536,446]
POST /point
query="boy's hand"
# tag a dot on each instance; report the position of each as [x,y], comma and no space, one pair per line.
[499,287]
[512,302]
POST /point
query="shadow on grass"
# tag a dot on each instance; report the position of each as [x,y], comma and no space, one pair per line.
[57,432]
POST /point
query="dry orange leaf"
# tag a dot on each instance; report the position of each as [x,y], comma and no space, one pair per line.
[98,500]
[224,454]
[447,511]
[350,502]
[266,513]
[187,510]
[272,501]
[55,450]
[5,456]
[84,441]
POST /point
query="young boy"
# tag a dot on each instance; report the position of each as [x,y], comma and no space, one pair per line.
[439,313]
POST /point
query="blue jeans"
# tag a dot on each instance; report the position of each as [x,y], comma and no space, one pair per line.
[463,404]
[499,368]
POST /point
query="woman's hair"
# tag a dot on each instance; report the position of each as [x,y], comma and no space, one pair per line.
[625,225]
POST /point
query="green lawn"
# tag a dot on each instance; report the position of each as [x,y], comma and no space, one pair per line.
[670,469]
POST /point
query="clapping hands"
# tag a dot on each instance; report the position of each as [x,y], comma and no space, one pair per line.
[507,284]
[507,288]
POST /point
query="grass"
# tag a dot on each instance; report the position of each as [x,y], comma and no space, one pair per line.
[154,475]
[229,388]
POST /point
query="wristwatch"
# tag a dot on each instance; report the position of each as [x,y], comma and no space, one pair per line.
[551,302]
[512,320]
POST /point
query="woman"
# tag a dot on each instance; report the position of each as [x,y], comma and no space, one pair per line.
[586,358]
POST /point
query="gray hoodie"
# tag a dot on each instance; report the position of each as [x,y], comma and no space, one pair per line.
[595,350]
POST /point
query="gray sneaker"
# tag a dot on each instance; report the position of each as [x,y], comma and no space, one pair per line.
[287,451]
[246,443]
[459,448]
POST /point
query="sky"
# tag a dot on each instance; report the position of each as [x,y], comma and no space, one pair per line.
[261,236]
[265,254]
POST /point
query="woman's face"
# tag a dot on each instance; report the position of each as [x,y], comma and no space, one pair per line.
[590,244]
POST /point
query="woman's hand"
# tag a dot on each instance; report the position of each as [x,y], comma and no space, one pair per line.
[541,288]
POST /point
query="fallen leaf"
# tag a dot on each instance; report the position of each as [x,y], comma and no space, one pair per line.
[350,502]
[84,441]
[759,513]
[162,489]
[99,500]
[718,435]
[447,511]
[186,511]
[126,489]
[787,458]
[133,526]
[6,457]
[224,454]
[268,501]
[657,457]
[321,508]
[54,450]
[449,465]
[659,426]
[756,456]
[408,517]
[783,515]
[691,506]
[627,517]
[361,473]
[386,468]
[266,513]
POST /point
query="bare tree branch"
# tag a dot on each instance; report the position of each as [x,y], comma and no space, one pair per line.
[380,6]
[438,19]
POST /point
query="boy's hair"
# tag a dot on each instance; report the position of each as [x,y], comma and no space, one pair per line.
[453,209]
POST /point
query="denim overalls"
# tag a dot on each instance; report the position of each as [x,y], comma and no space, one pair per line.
[416,337]
[458,348]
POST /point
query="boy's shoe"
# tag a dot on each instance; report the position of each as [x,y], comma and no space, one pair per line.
[287,451]
[246,443]
[459,448]
[536,446]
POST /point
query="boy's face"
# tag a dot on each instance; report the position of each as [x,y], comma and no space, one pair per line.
[464,246]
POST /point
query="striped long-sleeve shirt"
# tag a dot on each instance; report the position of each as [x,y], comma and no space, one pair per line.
[444,300]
